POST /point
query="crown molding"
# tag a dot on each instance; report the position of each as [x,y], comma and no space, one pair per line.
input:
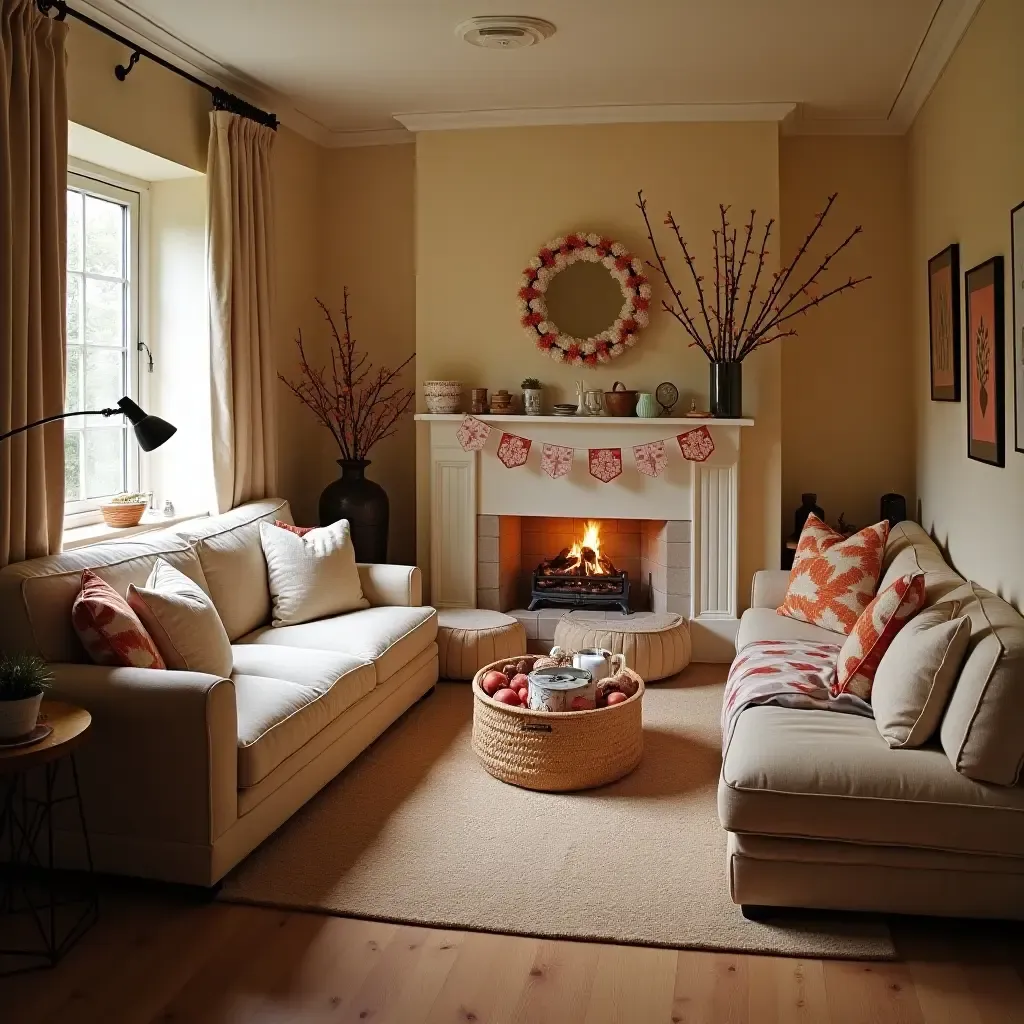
[369,137]
[801,125]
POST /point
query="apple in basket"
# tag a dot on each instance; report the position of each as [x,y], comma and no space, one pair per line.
[510,697]
[493,681]
[615,697]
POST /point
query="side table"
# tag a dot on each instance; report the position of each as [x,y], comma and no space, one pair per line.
[37,901]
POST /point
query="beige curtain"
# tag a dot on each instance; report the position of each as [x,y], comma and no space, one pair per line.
[239,273]
[33,245]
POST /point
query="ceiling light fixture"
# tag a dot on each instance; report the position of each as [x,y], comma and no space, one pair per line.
[504,31]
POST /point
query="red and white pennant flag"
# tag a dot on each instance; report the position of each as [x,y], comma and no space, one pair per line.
[514,450]
[556,460]
[650,459]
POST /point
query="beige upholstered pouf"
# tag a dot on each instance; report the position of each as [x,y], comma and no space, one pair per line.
[655,645]
[469,638]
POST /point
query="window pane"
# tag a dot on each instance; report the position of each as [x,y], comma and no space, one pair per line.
[104,462]
[104,377]
[104,237]
[74,230]
[73,385]
[72,464]
[104,313]
[74,316]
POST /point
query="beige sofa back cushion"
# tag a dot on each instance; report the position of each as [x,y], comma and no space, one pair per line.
[982,731]
[910,550]
[230,552]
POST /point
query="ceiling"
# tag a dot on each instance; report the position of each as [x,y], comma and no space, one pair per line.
[352,71]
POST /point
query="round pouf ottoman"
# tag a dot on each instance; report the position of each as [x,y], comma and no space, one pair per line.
[656,645]
[469,638]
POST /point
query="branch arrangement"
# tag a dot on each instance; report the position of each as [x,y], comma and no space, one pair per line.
[731,319]
[357,404]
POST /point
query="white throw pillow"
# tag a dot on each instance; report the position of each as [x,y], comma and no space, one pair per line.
[312,576]
[183,621]
[916,676]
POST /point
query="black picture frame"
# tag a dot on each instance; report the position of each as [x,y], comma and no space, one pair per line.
[1017,283]
[977,281]
[944,325]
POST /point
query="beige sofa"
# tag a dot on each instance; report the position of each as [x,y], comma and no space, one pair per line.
[184,773]
[821,812]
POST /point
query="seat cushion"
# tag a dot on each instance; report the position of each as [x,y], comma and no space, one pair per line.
[285,697]
[390,637]
[767,624]
[818,775]
[469,638]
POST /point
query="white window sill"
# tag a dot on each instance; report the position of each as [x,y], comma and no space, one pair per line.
[99,533]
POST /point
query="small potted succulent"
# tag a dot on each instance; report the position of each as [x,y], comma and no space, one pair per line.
[125,509]
[532,390]
[23,680]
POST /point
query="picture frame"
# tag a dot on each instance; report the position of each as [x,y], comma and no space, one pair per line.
[944,324]
[1017,283]
[986,367]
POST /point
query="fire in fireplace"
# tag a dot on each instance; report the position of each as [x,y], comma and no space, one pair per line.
[581,576]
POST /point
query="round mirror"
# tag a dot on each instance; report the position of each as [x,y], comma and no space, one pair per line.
[584,299]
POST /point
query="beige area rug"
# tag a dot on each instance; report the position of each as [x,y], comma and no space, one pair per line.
[416,831]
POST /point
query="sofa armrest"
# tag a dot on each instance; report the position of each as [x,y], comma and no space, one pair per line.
[397,585]
[768,589]
[161,759]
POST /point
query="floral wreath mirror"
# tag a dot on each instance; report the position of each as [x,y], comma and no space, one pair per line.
[538,306]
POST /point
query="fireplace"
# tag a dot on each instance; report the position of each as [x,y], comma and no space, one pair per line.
[580,576]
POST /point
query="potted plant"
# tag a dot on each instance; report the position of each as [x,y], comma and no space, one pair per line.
[360,406]
[23,680]
[532,391]
[125,509]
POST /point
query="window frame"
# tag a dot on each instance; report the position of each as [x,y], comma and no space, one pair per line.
[130,193]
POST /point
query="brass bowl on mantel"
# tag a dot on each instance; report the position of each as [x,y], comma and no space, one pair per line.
[619,401]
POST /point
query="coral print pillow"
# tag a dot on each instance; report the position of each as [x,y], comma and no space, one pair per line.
[110,631]
[834,577]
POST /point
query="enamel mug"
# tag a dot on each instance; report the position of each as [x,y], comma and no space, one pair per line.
[599,663]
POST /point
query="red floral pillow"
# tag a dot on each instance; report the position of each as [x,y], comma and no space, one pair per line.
[300,530]
[110,631]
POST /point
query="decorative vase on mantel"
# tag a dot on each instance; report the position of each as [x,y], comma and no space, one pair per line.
[726,389]
[364,504]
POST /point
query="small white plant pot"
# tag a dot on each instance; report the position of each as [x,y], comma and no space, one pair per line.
[531,401]
[18,717]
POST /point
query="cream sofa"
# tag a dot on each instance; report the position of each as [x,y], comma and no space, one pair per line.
[821,812]
[184,773]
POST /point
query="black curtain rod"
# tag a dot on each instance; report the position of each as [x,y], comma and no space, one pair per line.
[222,99]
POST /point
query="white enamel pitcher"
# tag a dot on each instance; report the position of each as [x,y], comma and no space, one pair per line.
[598,662]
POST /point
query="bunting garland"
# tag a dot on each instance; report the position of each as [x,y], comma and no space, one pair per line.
[604,464]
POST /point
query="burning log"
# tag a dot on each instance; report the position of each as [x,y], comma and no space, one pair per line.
[589,559]
[563,562]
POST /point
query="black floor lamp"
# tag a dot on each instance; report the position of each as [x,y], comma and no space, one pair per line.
[150,431]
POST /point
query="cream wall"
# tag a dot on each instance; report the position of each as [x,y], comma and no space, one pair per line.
[966,173]
[487,200]
[852,352]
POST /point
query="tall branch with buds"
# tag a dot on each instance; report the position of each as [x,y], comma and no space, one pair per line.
[359,405]
[724,335]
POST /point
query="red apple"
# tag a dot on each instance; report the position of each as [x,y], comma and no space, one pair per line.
[510,697]
[581,704]
[524,695]
[615,697]
[520,681]
[493,682]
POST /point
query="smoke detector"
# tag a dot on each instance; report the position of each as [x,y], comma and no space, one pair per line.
[504,32]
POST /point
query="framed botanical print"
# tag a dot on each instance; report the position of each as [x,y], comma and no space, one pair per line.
[944,323]
[1017,258]
[986,390]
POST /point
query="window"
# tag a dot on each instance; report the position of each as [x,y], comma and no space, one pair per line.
[102,335]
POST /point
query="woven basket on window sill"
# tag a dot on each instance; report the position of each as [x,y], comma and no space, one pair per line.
[123,515]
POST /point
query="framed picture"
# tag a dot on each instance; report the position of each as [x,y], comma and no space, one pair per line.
[986,390]
[1017,257]
[944,323]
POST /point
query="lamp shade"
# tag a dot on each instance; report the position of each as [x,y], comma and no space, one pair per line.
[150,431]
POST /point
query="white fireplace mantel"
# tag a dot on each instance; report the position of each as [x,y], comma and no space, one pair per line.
[466,484]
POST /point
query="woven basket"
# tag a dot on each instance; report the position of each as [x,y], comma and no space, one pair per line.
[123,515]
[556,752]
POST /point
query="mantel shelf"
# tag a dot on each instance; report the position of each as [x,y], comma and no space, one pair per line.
[596,421]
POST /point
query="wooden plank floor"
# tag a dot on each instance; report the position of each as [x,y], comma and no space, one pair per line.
[157,956]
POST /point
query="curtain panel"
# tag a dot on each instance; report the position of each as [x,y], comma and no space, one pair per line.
[33,247]
[240,276]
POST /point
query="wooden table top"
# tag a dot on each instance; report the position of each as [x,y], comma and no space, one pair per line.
[70,724]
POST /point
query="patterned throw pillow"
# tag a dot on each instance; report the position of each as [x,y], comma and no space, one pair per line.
[875,631]
[834,578]
[111,633]
[300,530]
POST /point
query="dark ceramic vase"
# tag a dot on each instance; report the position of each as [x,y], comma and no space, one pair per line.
[364,504]
[727,390]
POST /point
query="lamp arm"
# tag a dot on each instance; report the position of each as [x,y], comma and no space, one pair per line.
[59,416]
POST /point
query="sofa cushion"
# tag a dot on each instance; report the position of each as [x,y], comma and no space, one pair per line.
[285,697]
[909,550]
[109,629]
[817,775]
[767,624]
[389,637]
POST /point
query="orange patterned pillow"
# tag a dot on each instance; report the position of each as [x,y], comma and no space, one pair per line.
[834,578]
[110,631]
[876,629]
